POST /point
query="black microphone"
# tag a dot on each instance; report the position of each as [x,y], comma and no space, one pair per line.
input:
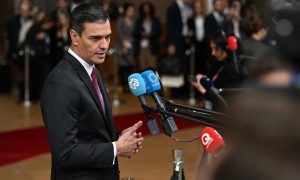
[153,86]
[208,85]
[137,87]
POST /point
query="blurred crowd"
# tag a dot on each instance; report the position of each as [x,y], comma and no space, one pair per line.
[267,53]
[191,31]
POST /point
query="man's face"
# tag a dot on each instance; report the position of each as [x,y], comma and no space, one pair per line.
[62,4]
[25,9]
[219,5]
[93,43]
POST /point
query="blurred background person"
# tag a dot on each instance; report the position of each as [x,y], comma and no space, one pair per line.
[124,44]
[62,38]
[147,32]
[40,38]
[15,25]
[272,69]
[262,137]
[62,6]
[232,24]
[178,13]
[196,33]
[16,33]
[257,27]
[111,8]
[223,73]
[215,20]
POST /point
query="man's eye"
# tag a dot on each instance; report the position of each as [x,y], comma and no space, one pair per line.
[94,39]
[107,37]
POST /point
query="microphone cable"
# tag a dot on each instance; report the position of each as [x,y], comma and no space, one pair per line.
[184,140]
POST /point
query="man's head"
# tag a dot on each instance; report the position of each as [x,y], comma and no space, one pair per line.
[257,27]
[25,7]
[90,32]
[62,4]
[219,5]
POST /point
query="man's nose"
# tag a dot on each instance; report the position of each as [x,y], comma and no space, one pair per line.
[104,44]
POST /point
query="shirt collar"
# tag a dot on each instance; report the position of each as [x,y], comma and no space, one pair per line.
[180,3]
[87,66]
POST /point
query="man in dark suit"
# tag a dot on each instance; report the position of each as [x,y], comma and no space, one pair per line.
[15,40]
[76,108]
[214,21]
[14,26]
[177,30]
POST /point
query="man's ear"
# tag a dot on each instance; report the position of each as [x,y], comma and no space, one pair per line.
[74,36]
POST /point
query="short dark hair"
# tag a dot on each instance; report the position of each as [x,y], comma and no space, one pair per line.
[256,23]
[87,12]
[220,39]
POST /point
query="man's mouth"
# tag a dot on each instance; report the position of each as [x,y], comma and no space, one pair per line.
[101,55]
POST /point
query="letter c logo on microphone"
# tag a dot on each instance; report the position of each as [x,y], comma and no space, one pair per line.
[206,139]
[133,83]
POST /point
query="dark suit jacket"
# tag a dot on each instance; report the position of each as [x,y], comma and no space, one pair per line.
[13,30]
[211,26]
[174,30]
[80,133]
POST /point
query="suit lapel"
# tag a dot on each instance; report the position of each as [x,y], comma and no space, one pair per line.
[87,80]
[108,111]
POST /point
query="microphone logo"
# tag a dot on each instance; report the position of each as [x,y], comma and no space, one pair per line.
[133,83]
[206,140]
[152,77]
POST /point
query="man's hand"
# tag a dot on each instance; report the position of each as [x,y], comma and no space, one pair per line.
[130,142]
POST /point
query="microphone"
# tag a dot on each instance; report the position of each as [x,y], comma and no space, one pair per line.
[208,85]
[211,141]
[152,86]
[233,46]
[161,92]
[137,87]
[178,172]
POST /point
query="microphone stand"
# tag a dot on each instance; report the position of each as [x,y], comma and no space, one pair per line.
[192,99]
[198,121]
[193,109]
[116,100]
[235,61]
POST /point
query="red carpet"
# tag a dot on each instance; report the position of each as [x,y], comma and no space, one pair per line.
[23,144]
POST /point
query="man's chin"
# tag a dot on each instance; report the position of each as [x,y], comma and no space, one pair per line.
[99,61]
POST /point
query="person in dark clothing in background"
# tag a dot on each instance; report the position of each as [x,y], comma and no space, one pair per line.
[124,44]
[146,33]
[196,34]
[14,29]
[223,73]
[15,25]
[258,29]
[40,39]
[215,20]
[178,14]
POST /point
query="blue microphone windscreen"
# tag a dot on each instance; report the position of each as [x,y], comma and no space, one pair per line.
[136,84]
[152,82]
[206,83]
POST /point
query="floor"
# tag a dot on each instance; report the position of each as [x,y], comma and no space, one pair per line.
[154,162]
